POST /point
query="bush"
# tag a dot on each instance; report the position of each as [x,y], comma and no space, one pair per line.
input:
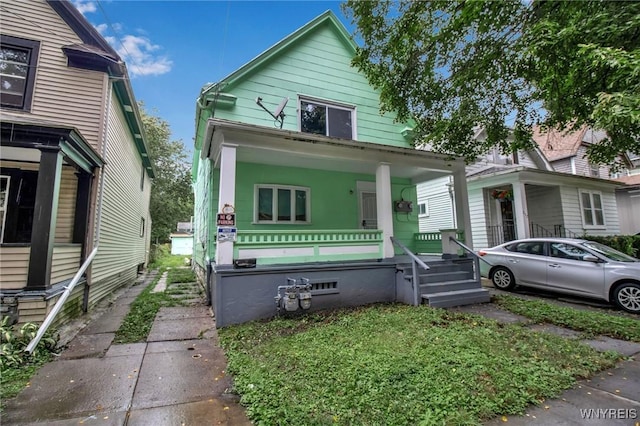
[14,340]
[628,244]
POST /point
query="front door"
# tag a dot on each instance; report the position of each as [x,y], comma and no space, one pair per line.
[508,223]
[368,210]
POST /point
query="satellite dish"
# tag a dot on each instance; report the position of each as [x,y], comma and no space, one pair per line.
[283,103]
[279,114]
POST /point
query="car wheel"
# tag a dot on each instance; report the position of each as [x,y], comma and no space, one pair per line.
[627,297]
[502,278]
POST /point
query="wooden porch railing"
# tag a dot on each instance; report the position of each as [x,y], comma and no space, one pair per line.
[269,247]
[430,242]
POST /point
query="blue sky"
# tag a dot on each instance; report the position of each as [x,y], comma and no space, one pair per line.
[173,48]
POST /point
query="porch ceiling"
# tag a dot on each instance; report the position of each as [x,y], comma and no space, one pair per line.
[277,147]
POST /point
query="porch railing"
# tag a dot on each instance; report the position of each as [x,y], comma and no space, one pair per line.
[498,234]
[415,262]
[270,247]
[558,231]
[430,242]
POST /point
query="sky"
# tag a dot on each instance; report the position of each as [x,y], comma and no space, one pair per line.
[173,48]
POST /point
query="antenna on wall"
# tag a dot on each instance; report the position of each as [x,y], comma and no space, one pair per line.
[279,114]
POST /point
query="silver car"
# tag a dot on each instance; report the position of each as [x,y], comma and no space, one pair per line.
[571,266]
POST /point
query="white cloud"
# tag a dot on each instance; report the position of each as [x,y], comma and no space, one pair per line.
[137,52]
[102,28]
[84,6]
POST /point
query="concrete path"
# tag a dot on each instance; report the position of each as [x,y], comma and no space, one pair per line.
[610,398]
[177,377]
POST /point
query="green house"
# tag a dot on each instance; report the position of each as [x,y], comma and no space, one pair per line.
[298,175]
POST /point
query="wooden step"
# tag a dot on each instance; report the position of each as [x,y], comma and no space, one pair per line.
[440,287]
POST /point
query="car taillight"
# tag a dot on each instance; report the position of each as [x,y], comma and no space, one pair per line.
[482,253]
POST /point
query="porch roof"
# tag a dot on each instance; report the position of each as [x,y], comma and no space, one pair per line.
[23,132]
[525,174]
[258,144]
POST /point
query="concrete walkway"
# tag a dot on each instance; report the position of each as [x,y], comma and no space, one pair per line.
[612,397]
[177,377]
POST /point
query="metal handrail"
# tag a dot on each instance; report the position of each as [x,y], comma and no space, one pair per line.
[414,269]
[468,250]
[51,316]
[410,253]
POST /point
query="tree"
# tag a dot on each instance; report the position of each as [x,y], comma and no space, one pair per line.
[171,192]
[504,66]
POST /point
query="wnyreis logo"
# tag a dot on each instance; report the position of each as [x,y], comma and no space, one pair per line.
[609,413]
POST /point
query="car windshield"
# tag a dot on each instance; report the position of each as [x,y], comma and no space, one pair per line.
[608,252]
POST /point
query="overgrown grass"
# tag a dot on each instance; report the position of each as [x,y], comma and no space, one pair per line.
[591,322]
[398,365]
[163,259]
[138,322]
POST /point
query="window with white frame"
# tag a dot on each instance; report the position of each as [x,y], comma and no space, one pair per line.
[327,119]
[592,211]
[423,209]
[282,204]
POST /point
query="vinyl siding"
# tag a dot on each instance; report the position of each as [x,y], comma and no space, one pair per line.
[544,206]
[62,95]
[573,214]
[318,66]
[121,248]
[14,264]
[440,213]
[629,212]
[479,218]
[66,262]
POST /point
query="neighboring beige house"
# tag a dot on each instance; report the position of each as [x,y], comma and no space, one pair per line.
[74,173]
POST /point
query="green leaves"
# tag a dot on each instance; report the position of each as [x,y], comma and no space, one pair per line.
[456,66]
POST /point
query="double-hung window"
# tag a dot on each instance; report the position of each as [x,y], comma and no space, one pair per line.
[282,204]
[18,59]
[592,211]
[327,119]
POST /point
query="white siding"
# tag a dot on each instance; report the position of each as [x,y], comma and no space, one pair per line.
[544,206]
[479,218]
[63,95]
[573,214]
[629,212]
[440,212]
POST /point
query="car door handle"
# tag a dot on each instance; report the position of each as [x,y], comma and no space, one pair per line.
[513,260]
[554,265]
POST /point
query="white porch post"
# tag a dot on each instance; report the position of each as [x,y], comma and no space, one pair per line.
[227,185]
[521,210]
[384,204]
[463,217]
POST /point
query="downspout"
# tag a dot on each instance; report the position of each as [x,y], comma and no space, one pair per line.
[96,240]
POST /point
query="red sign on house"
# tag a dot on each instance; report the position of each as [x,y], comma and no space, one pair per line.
[226,219]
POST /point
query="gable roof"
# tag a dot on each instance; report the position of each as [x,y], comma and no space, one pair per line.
[326,18]
[558,144]
[96,54]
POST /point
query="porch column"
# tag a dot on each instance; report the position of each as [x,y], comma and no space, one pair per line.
[521,210]
[384,204]
[227,185]
[44,219]
[461,196]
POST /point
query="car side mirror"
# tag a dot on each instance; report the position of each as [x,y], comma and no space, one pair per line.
[590,258]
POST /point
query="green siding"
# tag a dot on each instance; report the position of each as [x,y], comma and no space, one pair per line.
[319,65]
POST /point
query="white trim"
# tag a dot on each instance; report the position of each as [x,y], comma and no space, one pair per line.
[274,206]
[573,166]
[348,249]
[330,104]
[275,252]
[603,225]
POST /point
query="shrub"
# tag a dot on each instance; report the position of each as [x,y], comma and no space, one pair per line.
[628,244]
[13,342]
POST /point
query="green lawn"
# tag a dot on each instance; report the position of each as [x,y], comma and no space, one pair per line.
[398,365]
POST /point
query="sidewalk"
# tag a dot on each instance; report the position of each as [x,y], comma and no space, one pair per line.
[178,377]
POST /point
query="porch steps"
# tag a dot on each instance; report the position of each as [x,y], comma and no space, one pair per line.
[448,282]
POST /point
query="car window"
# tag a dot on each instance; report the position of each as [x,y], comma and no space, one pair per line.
[530,247]
[608,252]
[567,251]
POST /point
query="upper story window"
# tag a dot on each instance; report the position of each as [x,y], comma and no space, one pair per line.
[327,119]
[18,58]
[594,170]
[592,211]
